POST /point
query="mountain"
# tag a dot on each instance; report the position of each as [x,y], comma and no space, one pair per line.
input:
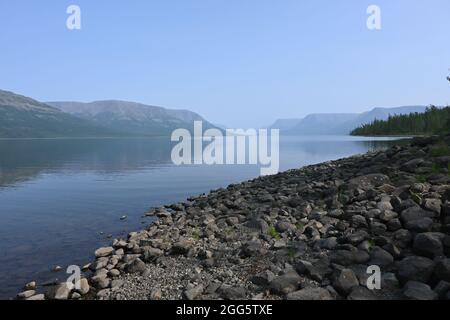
[23,117]
[131,117]
[339,123]
[285,124]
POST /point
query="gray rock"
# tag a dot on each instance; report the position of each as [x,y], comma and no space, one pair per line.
[428,244]
[263,278]
[284,226]
[420,225]
[346,258]
[26,294]
[38,297]
[136,266]
[30,286]
[192,294]
[415,213]
[380,257]
[415,290]
[310,294]
[361,293]
[83,286]
[181,247]
[415,268]
[232,293]
[59,292]
[285,284]
[433,205]
[150,254]
[442,288]
[104,252]
[346,281]
[442,270]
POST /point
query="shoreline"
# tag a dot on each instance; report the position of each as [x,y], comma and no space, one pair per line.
[301,234]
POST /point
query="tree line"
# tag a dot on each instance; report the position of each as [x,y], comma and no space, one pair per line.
[433,121]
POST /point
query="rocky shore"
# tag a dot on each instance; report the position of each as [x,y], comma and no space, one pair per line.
[307,234]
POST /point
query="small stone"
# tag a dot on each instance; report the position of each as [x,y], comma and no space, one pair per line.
[155,294]
[384,205]
[75,296]
[30,286]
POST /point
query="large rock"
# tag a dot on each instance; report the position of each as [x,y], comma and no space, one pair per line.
[361,293]
[59,292]
[104,252]
[310,294]
[428,244]
[193,293]
[346,258]
[414,290]
[346,281]
[150,254]
[415,268]
[285,284]
[232,293]
[415,213]
[136,266]
[442,270]
[380,257]
[181,247]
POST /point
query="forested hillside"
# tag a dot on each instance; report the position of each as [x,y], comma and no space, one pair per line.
[433,121]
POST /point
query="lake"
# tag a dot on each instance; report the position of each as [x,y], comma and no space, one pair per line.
[62,199]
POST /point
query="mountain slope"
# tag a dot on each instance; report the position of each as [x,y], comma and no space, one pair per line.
[344,123]
[23,117]
[132,117]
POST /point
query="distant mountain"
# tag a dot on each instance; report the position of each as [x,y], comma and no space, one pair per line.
[339,123]
[285,124]
[23,117]
[132,117]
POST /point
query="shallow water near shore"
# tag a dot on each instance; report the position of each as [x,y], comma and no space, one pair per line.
[62,199]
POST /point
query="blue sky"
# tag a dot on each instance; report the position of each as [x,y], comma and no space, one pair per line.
[237,62]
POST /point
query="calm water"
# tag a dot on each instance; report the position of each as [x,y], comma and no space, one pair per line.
[61,199]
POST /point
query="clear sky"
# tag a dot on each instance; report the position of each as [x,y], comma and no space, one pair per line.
[236,62]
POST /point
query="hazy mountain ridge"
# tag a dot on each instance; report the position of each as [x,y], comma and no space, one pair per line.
[339,123]
[132,117]
[24,117]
